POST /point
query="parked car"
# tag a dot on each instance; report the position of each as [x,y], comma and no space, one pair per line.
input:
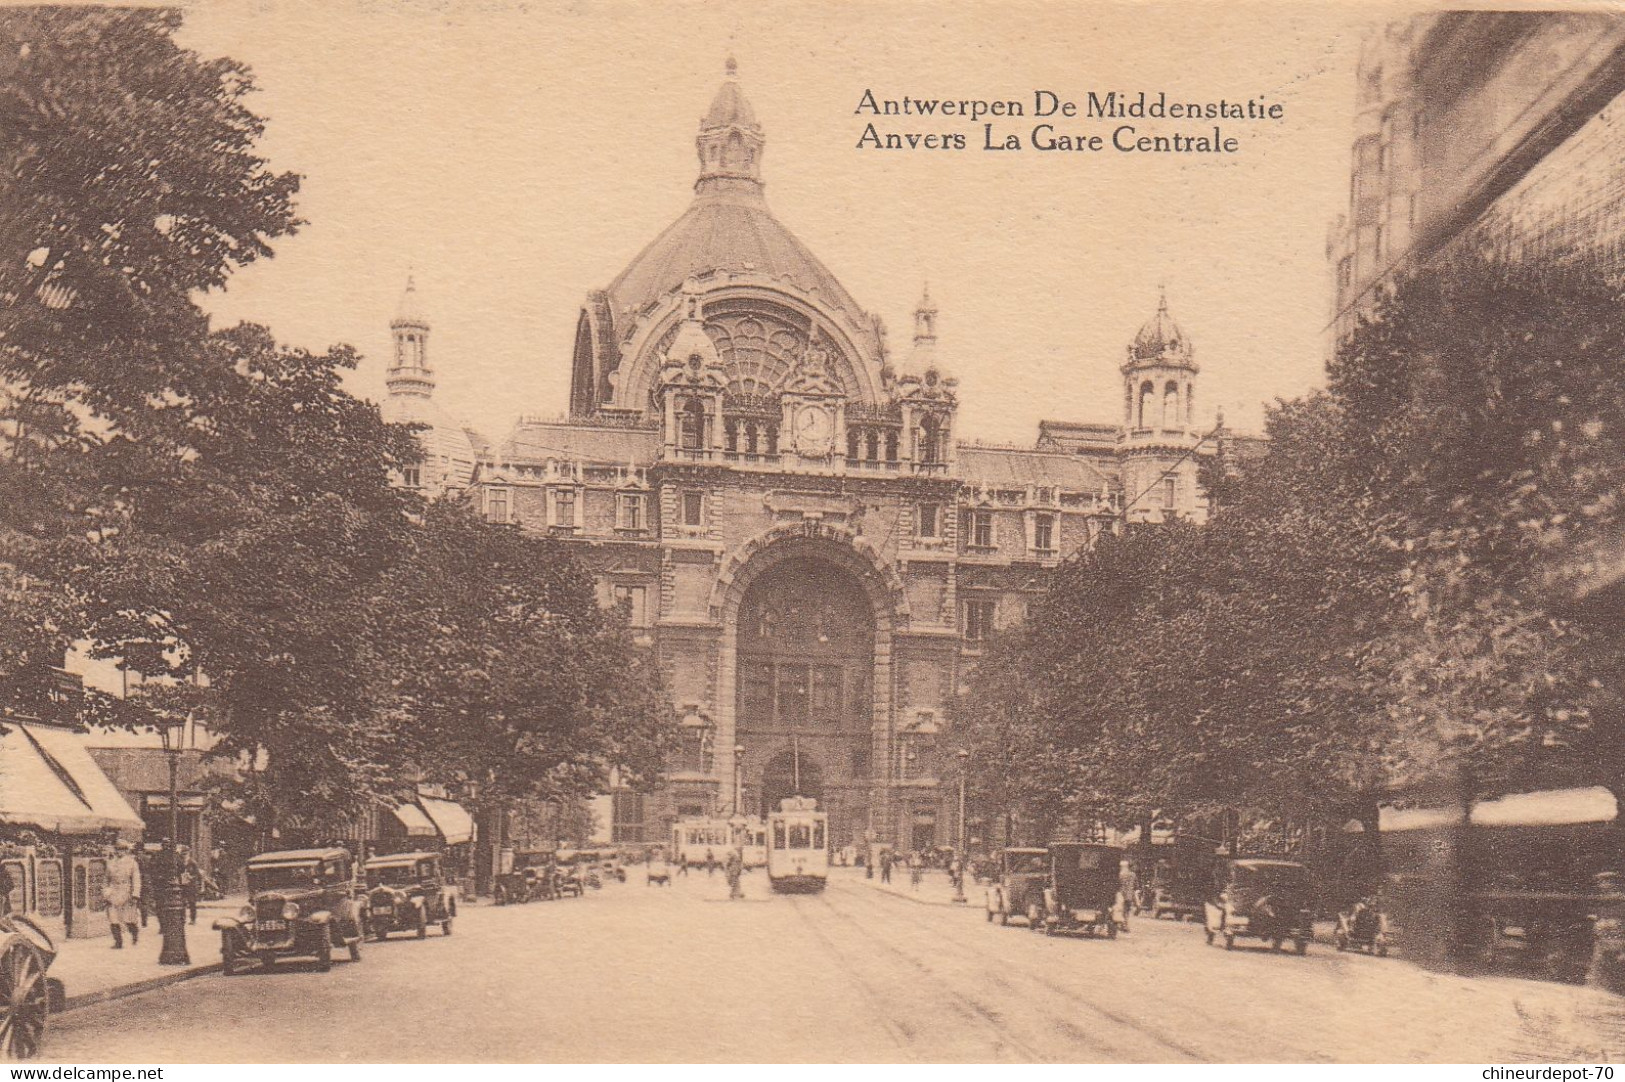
[407,892]
[1081,892]
[1363,926]
[1263,899]
[1019,889]
[301,903]
[28,997]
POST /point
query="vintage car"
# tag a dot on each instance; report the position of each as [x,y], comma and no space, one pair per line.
[28,997]
[407,892]
[1261,898]
[301,903]
[1082,890]
[1363,926]
[1175,876]
[1019,889]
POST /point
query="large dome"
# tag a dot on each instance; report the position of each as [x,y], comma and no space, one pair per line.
[729,228]
[726,231]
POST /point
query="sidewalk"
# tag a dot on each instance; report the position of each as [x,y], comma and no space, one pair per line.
[93,972]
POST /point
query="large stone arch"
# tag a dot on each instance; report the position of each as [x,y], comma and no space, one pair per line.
[640,367]
[819,540]
[844,550]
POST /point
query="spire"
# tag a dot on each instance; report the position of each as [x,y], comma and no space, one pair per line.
[925,319]
[730,141]
[409,372]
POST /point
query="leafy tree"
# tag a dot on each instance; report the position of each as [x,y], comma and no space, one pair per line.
[509,675]
[130,184]
[256,561]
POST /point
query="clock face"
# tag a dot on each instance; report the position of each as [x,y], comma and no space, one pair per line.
[814,430]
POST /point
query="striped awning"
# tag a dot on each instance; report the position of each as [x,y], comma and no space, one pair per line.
[49,781]
[453,822]
[416,823]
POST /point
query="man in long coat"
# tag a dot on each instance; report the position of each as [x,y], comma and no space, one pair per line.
[123,893]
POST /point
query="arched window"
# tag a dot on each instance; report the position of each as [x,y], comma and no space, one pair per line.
[891,445]
[1170,405]
[931,438]
[691,423]
[731,433]
[752,438]
[852,443]
[871,441]
[772,439]
[1146,392]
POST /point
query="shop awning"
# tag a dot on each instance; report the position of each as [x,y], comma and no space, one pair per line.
[455,825]
[416,823]
[49,781]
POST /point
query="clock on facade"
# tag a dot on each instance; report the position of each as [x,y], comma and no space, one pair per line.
[815,431]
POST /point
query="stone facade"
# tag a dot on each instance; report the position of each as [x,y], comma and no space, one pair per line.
[790,520]
[1497,129]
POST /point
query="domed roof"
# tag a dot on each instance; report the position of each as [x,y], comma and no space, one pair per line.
[728,226]
[729,229]
[1160,336]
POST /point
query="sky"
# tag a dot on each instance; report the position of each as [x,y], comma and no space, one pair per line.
[513,156]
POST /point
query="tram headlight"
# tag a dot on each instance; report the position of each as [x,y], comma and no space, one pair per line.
[290,912]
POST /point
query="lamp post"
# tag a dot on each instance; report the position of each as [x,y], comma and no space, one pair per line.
[172,910]
[739,778]
[959,880]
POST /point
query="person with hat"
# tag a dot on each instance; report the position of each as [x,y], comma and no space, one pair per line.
[122,894]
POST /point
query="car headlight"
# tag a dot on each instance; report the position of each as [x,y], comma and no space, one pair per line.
[290,912]
[246,913]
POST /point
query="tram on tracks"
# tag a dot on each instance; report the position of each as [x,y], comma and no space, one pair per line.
[693,838]
[797,846]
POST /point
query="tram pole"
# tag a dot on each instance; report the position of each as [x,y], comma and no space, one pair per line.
[959,880]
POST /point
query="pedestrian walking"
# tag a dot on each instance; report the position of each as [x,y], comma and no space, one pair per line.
[885,865]
[147,898]
[191,882]
[916,870]
[121,893]
[735,871]
[710,863]
[1128,884]
[682,865]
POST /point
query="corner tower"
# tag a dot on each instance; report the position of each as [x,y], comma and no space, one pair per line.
[1159,420]
[448,450]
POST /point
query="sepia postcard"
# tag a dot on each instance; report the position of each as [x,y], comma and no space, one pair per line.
[892,532]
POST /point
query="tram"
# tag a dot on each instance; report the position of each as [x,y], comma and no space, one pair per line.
[797,846]
[692,838]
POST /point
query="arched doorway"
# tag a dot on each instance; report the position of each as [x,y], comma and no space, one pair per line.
[804,700]
[790,773]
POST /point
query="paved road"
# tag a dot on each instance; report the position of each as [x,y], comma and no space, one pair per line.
[634,973]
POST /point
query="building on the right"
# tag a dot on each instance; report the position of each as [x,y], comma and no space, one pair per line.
[1499,130]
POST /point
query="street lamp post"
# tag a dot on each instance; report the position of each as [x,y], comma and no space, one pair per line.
[959,880]
[739,779]
[172,911]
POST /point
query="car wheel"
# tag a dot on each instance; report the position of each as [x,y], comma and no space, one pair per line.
[380,931]
[423,925]
[324,953]
[1210,937]
[1229,942]
[1381,951]
[1342,942]
[1004,917]
[1111,929]
[228,962]
[25,1002]
[445,926]
[355,949]
[1275,944]
[1301,946]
